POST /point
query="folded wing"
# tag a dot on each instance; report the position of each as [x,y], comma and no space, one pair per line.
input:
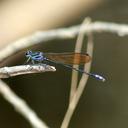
[69,58]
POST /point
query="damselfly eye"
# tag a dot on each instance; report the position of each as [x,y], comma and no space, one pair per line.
[28,53]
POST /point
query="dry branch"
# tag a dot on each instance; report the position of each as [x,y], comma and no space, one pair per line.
[63,33]
[6,72]
[78,47]
[83,81]
[21,106]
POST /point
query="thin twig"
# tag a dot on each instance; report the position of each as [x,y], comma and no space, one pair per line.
[78,47]
[6,72]
[63,33]
[21,106]
[80,89]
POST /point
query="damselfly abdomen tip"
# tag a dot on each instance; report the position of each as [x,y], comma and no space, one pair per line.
[98,77]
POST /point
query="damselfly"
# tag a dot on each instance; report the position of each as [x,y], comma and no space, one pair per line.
[66,59]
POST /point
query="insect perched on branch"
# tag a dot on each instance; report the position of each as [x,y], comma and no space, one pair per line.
[66,59]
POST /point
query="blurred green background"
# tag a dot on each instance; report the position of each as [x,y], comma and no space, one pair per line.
[102,105]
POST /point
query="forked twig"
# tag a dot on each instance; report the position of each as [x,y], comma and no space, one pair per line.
[78,47]
[77,94]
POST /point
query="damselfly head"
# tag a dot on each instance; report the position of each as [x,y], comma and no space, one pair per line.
[28,53]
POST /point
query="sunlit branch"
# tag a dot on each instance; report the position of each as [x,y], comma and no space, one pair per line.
[6,72]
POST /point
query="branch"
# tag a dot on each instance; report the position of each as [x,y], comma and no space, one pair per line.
[83,81]
[63,33]
[21,106]
[6,72]
[78,47]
